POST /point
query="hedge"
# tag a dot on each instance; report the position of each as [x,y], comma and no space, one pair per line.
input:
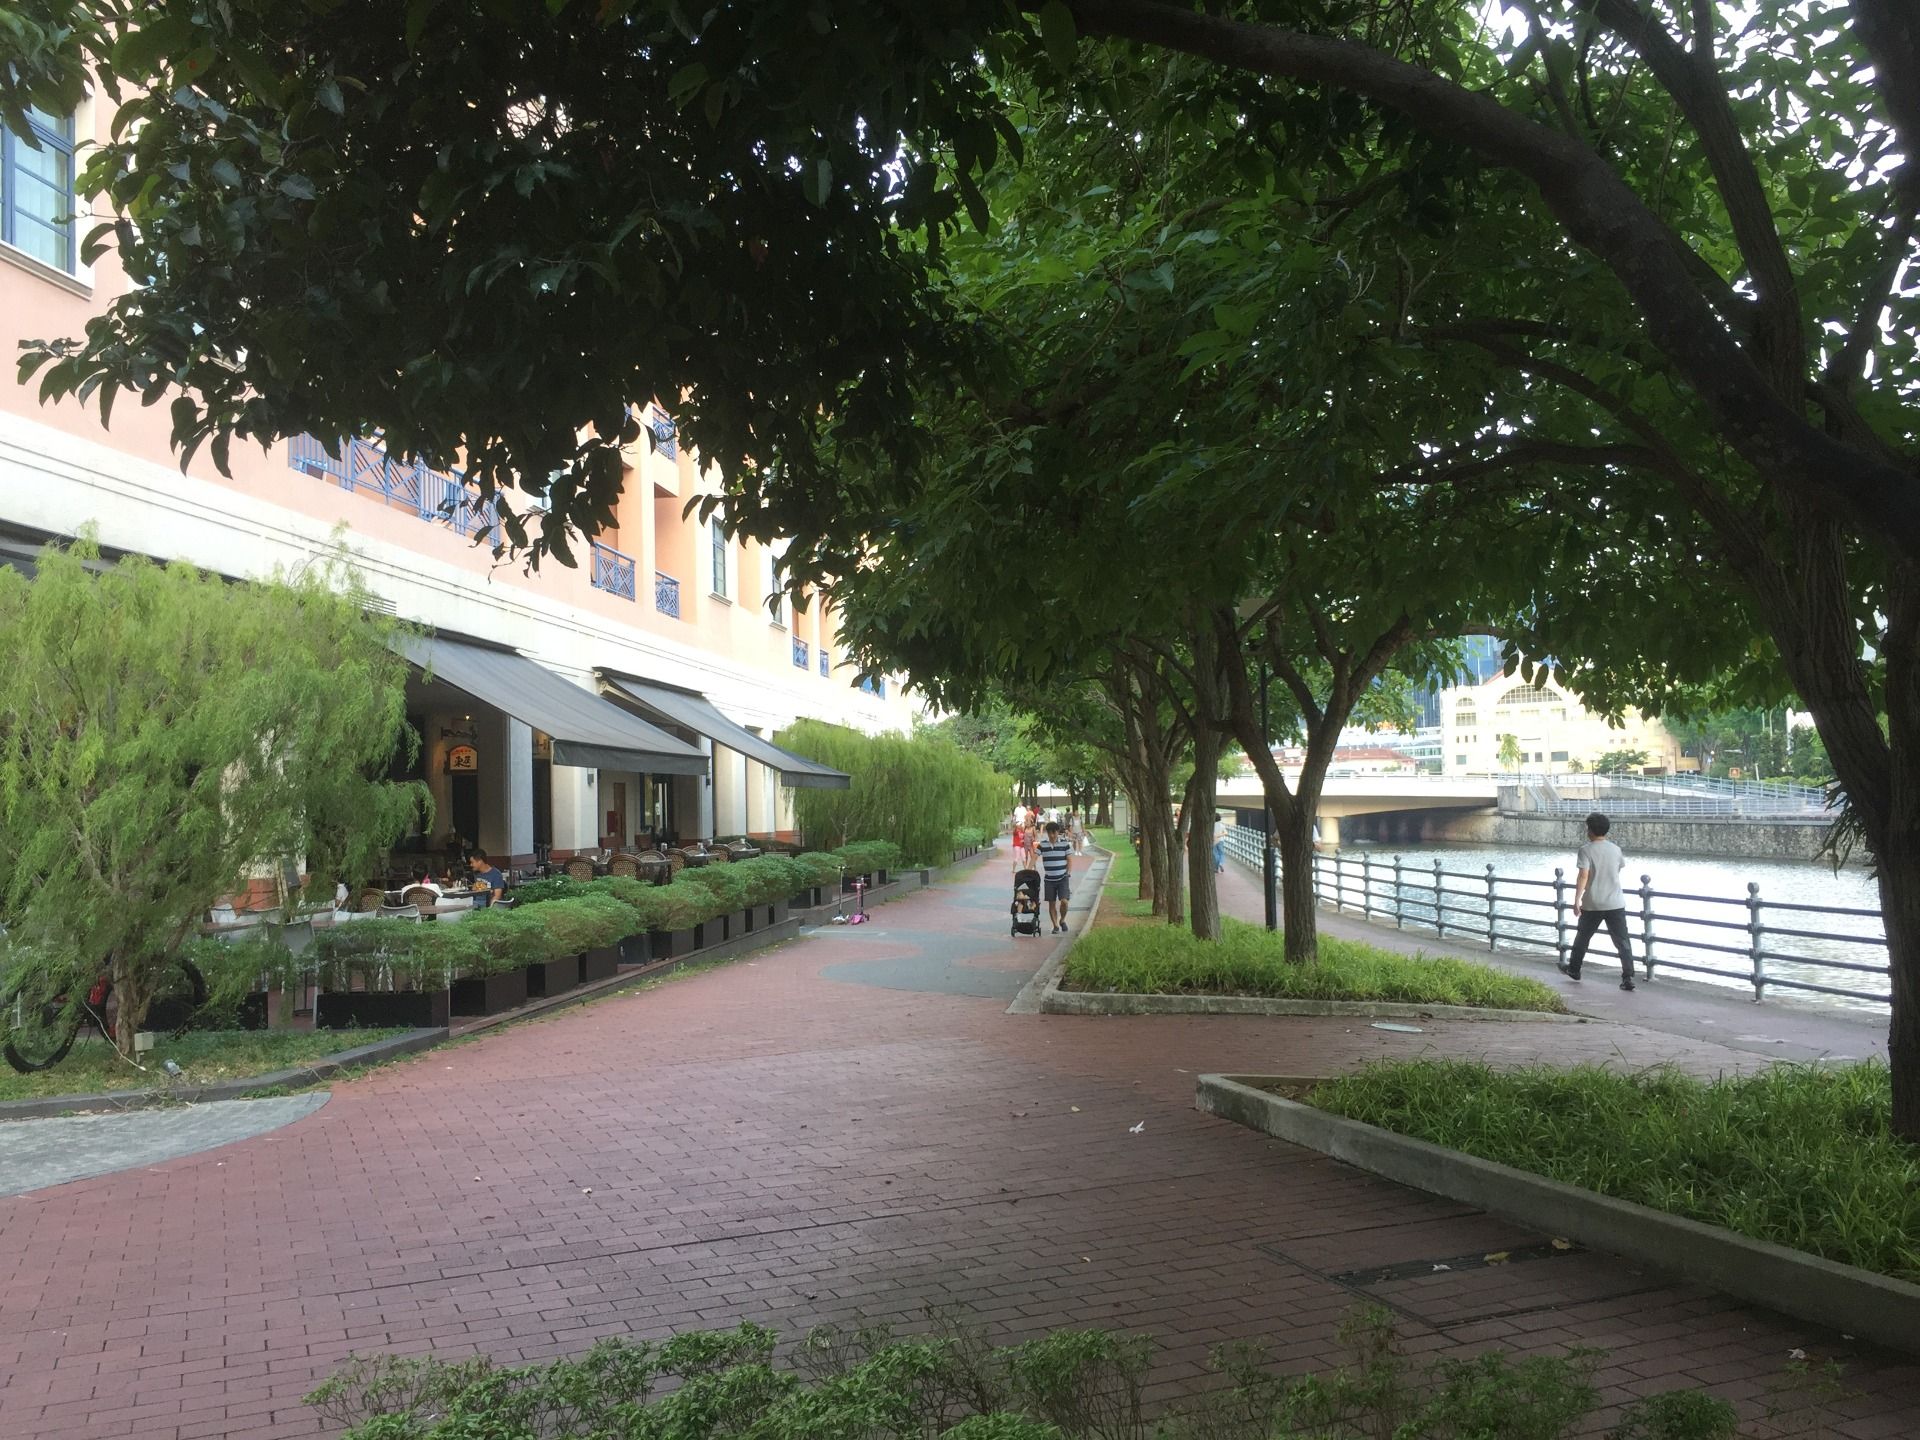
[910,790]
[484,943]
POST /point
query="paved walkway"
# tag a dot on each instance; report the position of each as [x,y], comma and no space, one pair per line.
[840,1128]
[38,1153]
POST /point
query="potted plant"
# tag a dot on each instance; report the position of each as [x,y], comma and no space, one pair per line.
[729,889]
[377,973]
[524,940]
[680,919]
[823,871]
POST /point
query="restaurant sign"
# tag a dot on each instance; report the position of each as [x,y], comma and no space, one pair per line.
[463,760]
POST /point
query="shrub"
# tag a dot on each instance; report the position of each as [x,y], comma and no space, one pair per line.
[820,867]
[868,857]
[724,881]
[770,878]
[509,939]
[552,887]
[682,905]
[968,837]
[1247,960]
[234,969]
[1802,1156]
[589,922]
[1071,1385]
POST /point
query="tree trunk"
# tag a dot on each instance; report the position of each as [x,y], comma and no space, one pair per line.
[1299,920]
[1204,906]
[132,997]
[1104,820]
[1896,845]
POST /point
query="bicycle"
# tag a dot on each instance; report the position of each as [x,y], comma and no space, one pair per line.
[40,1033]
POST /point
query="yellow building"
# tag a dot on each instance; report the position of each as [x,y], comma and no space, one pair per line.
[1553,731]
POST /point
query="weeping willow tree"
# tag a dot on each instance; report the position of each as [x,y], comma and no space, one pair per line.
[912,790]
[163,733]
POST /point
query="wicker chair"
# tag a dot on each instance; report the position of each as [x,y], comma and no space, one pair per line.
[718,854]
[624,865]
[422,898]
[580,868]
[369,900]
[677,859]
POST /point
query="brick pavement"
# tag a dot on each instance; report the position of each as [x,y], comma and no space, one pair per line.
[762,1142]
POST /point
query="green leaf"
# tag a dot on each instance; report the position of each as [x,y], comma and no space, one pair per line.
[1058,34]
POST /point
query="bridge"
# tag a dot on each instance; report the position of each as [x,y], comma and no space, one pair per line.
[1647,797]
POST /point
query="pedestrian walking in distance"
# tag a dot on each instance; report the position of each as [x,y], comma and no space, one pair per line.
[1054,854]
[1599,900]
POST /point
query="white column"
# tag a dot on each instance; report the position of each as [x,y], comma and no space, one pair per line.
[575,797]
[704,830]
[729,791]
[517,771]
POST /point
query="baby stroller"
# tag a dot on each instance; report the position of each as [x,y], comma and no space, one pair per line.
[1026,903]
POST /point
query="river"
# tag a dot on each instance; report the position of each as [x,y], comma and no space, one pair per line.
[1697,905]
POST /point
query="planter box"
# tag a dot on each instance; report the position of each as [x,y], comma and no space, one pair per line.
[601,964]
[808,898]
[254,1010]
[741,922]
[553,977]
[775,912]
[632,951]
[490,994]
[381,1009]
[672,944]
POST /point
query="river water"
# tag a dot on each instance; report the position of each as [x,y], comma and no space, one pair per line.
[1701,922]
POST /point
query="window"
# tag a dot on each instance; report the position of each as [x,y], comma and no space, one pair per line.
[1527,695]
[719,558]
[1560,757]
[36,191]
[1460,760]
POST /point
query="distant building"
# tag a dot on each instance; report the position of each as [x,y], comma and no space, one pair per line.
[1350,760]
[1554,731]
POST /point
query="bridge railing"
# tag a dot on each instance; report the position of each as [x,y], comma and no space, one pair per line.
[1832,950]
[1663,795]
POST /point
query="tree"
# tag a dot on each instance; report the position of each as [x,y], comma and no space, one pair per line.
[162,731]
[1708,292]
[1510,755]
[1619,762]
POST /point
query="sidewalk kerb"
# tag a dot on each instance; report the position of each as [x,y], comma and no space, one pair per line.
[1843,1297]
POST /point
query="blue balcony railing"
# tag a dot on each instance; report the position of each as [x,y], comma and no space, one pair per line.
[433,495]
[665,436]
[874,687]
[666,595]
[612,571]
[825,668]
[800,654]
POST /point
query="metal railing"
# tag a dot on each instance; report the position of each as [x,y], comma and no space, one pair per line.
[1648,795]
[800,654]
[666,594]
[665,436]
[612,571]
[433,495]
[1768,944]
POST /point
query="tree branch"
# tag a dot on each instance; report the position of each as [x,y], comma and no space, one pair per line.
[1599,211]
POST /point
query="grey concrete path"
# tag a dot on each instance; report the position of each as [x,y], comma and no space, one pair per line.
[1780,1030]
[37,1153]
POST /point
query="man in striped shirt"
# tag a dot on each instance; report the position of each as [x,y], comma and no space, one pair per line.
[1054,854]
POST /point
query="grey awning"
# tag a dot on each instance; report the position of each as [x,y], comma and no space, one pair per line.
[587,730]
[697,713]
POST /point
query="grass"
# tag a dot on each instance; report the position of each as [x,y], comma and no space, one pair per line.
[1797,1155]
[1247,960]
[205,1055]
[1120,902]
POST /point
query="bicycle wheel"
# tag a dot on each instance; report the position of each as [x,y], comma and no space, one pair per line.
[175,1008]
[39,1031]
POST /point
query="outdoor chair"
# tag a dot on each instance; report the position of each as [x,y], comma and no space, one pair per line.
[369,899]
[398,912]
[677,859]
[422,898]
[580,868]
[624,865]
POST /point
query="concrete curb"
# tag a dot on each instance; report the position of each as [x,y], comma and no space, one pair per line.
[1843,1297]
[1032,997]
[1112,1002]
[378,1050]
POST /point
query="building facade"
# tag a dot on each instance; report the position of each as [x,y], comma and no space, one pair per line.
[1553,732]
[662,599]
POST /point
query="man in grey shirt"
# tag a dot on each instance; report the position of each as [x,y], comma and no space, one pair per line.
[1599,900]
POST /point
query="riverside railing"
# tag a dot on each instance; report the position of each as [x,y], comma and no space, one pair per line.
[1827,950]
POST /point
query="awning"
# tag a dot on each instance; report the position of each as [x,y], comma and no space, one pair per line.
[586,730]
[697,713]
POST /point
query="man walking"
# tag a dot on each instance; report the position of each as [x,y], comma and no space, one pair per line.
[1599,900]
[1219,844]
[1054,854]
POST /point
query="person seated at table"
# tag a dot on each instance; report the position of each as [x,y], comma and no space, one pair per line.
[486,875]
